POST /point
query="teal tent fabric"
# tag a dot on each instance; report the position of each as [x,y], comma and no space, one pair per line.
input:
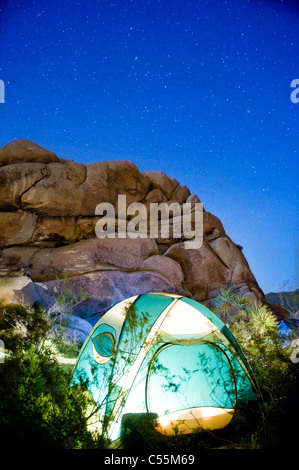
[160,354]
[190,377]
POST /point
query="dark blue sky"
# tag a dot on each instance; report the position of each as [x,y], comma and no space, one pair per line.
[197,89]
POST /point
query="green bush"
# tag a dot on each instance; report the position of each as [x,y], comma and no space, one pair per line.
[37,408]
[269,356]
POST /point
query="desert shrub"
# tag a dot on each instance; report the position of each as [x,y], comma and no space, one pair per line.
[268,353]
[37,408]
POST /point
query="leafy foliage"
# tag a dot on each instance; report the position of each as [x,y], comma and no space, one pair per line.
[36,406]
[66,299]
[268,353]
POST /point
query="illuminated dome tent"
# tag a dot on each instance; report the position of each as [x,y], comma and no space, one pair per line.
[168,355]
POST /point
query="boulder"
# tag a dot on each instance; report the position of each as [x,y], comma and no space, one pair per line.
[155,196]
[159,180]
[16,228]
[15,261]
[104,289]
[233,258]
[97,286]
[71,189]
[73,327]
[167,267]
[180,194]
[58,194]
[125,179]
[16,179]
[57,229]
[279,311]
[14,290]
[203,270]
[212,226]
[90,255]
[193,199]
[23,150]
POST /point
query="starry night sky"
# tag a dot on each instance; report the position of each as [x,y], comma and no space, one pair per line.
[197,89]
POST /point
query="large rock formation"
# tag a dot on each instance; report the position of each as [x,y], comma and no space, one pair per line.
[47,233]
